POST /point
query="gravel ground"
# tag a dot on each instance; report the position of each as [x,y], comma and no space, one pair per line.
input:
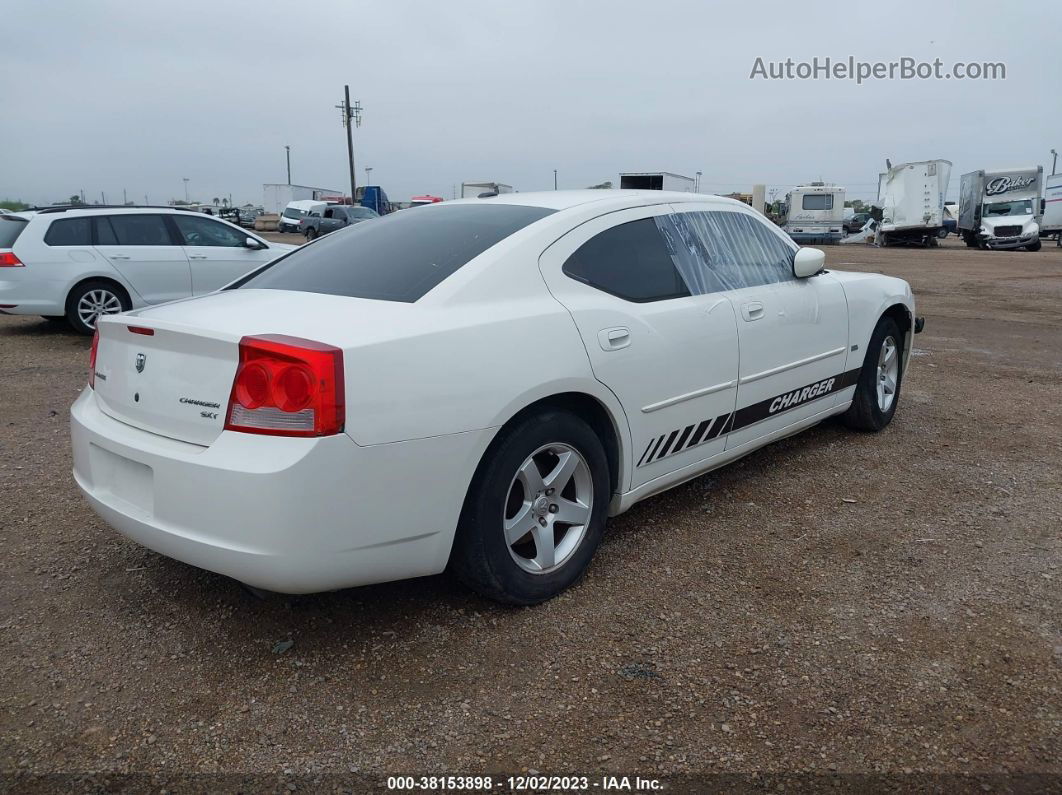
[835,602]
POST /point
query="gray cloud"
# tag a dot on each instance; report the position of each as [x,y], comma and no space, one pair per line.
[136,95]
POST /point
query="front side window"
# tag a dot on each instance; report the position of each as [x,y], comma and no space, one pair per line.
[817,201]
[721,250]
[631,261]
[398,258]
[201,232]
[139,230]
[70,232]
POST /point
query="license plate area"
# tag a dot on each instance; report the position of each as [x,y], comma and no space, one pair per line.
[122,479]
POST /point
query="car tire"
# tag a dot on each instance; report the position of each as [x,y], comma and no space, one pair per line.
[875,401]
[311,233]
[942,233]
[1034,246]
[547,467]
[91,299]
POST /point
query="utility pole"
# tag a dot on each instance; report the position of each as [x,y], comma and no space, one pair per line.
[185,189]
[697,185]
[125,199]
[1054,161]
[350,114]
[554,179]
[368,175]
[287,154]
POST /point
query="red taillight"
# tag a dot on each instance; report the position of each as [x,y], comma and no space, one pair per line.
[287,386]
[92,358]
[9,260]
[147,332]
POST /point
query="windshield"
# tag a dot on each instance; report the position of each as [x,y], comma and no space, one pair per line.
[10,229]
[399,257]
[292,212]
[1009,208]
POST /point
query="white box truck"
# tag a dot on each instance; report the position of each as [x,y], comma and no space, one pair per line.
[656,180]
[911,199]
[815,213]
[470,190]
[1051,224]
[1001,209]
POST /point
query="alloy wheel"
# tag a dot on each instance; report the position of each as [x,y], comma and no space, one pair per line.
[95,303]
[548,507]
[888,373]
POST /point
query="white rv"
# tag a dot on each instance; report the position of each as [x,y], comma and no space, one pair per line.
[815,213]
[1001,209]
[911,198]
[1051,224]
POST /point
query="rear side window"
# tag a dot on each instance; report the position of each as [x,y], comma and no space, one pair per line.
[817,201]
[140,230]
[69,232]
[10,229]
[630,261]
[397,258]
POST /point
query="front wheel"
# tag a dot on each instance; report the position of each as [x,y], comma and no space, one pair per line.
[1033,246]
[942,232]
[311,233]
[878,388]
[535,510]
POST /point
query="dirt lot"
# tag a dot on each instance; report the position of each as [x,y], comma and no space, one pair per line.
[836,602]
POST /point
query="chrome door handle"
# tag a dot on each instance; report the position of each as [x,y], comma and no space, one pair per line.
[612,339]
[752,311]
[119,256]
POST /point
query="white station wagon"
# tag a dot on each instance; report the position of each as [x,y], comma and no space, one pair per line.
[474,385]
[78,263]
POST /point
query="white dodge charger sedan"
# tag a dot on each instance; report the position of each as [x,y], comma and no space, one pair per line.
[474,385]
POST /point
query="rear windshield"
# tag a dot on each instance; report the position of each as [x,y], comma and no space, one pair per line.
[10,229]
[399,257]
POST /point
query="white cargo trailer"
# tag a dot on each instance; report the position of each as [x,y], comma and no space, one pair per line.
[1051,224]
[656,180]
[470,190]
[1001,209]
[275,197]
[815,213]
[911,198]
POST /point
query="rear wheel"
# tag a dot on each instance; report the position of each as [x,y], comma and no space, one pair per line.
[535,510]
[878,388]
[311,233]
[89,301]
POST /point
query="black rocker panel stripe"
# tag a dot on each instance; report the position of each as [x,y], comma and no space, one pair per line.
[709,429]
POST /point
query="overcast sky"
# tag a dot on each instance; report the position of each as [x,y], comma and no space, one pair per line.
[106,96]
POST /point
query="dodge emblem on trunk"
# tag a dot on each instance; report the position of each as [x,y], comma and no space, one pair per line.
[141,360]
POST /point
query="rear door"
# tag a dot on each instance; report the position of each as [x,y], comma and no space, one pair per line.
[216,251]
[667,351]
[142,248]
[793,333]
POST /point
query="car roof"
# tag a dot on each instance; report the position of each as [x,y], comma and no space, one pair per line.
[604,198]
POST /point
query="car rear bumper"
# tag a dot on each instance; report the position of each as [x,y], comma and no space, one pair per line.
[24,296]
[284,514]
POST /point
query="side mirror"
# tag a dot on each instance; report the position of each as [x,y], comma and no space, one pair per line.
[808,262]
[251,243]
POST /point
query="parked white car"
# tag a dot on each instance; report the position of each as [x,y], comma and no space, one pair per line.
[477,384]
[80,263]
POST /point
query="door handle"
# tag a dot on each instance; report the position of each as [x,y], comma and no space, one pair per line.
[119,256]
[752,311]
[198,256]
[612,339]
